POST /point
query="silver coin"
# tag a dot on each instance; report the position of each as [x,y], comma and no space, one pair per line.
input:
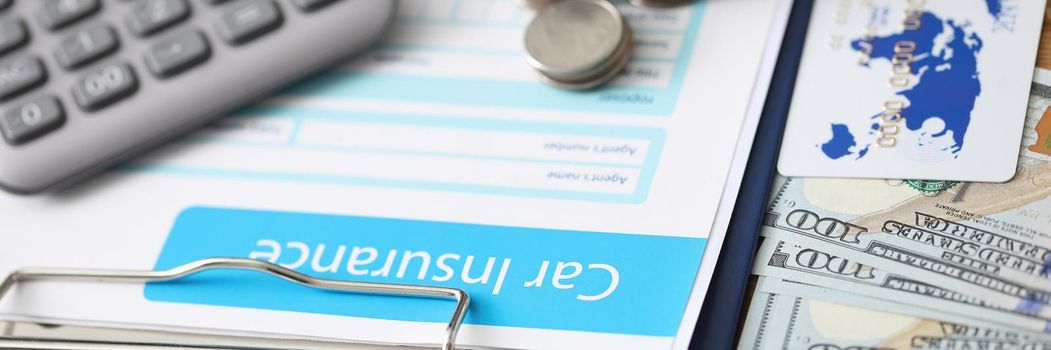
[578,43]
[614,67]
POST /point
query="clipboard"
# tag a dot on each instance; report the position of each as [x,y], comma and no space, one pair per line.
[28,335]
[716,327]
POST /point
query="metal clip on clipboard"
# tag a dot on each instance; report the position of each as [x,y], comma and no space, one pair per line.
[12,338]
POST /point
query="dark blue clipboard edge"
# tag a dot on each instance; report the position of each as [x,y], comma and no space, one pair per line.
[720,315]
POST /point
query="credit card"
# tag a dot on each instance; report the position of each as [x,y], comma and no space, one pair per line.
[913,89]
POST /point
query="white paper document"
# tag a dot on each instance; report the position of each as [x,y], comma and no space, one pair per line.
[574,219]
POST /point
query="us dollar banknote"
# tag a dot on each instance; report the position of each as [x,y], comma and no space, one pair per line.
[794,316]
[991,240]
[798,262]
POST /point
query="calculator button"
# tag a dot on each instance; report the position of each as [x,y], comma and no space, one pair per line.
[104,86]
[150,16]
[55,14]
[12,34]
[245,20]
[311,5]
[85,45]
[20,74]
[31,119]
[173,55]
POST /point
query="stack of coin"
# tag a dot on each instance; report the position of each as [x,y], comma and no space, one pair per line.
[579,44]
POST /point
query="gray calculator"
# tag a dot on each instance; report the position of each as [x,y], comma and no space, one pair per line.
[87,83]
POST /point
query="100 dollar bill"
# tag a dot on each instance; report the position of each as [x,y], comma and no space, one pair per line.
[991,240]
[796,261]
[793,316]
[1002,256]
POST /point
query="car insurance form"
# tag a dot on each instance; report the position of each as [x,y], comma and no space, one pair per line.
[574,219]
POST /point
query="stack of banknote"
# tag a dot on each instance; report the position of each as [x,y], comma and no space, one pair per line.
[910,264]
[851,264]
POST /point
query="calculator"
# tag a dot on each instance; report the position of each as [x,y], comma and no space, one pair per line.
[85,84]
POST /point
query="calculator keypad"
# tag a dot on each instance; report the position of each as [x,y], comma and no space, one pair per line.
[150,16]
[84,83]
[82,45]
[86,45]
[31,119]
[245,20]
[83,42]
[20,74]
[105,85]
[55,14]
[12,34]
[177,53]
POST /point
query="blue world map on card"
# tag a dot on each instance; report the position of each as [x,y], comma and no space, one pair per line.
[945,68]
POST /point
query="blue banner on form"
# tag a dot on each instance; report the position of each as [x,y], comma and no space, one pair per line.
[517,277]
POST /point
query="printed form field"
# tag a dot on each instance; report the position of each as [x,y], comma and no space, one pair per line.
[466,155]
[460,53]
